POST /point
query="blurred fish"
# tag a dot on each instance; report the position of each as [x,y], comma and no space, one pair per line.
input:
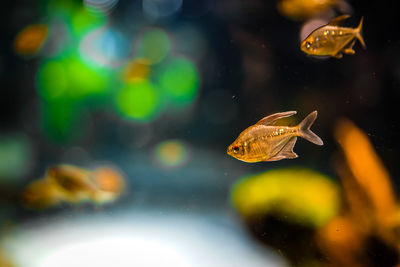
[41,194]
[333,40]
[266,142]
[67,183]
[303,9]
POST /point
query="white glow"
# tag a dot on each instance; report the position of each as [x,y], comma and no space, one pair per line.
[136,240]
[104,47]
[116,251]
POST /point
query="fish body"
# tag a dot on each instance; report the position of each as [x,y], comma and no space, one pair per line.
[266,142]
[333,40]
[68,183]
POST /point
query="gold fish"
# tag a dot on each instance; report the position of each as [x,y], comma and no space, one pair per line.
[266,142]
[67,183]
[74,183]
[41,194]
[332,40]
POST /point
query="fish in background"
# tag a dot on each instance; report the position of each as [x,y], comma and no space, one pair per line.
[305,9]
[67,183]
[265,141]
[333,40]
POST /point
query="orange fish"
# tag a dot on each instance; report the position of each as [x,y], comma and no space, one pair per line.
[266,142]
[332,40]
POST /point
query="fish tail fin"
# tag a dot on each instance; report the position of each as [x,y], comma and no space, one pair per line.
[306,133]
[358,33]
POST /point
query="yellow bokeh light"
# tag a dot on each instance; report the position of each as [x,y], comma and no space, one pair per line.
[171,153]
[295,194]
[137,70]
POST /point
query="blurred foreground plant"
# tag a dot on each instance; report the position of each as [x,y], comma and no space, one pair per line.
[366,233]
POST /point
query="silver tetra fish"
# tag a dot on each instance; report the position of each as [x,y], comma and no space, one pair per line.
[333,40]
[266,142]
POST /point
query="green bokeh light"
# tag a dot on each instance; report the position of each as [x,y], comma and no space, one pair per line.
[60,120]
[180,81]
[154,45]
[65,85]
[15,156]
[59,6]
[139,101]
[83,21]
[52,80]
[69,78]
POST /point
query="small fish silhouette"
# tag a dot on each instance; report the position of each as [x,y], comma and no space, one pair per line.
[266,142]
[332,40]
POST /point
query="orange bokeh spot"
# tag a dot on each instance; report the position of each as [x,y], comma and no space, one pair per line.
[137,70]
[30,40]
[109,180]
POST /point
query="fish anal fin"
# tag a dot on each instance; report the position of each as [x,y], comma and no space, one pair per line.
[338,55]
[271,119]
[336,21]
[349,51]
[286,152]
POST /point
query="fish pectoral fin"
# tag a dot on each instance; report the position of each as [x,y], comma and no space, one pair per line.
[286,152]
[336,21]
[271,119]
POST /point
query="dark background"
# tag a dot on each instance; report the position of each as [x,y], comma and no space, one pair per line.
[253,53]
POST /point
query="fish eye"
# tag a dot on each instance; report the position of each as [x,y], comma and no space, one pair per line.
[235,149]
[308,44]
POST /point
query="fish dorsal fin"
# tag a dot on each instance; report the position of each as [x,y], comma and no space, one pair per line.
[271,119]
[336,21]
